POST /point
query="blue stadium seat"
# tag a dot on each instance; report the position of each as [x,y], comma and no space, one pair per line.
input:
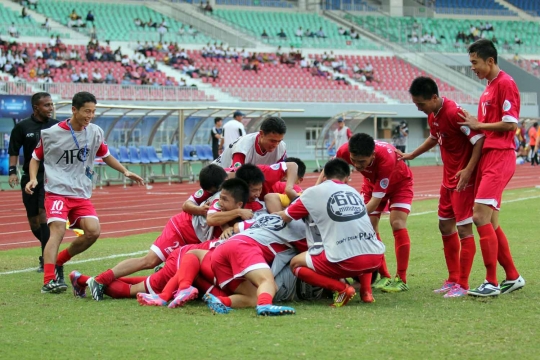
[152,155]
[134,156]
[204,152]
[174,152]
[188,150]
[143,151]
[123,155]
[114,152]
[166,153]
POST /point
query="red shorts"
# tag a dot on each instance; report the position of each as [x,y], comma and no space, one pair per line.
[169,239]
[352,267]
[235,258]
[63,208]
[495,169]
[456,205]
[156,282]
[400,197]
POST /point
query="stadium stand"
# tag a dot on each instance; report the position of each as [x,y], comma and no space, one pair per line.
[25,26]
[402,29]
[532,66]
[530,6]
[117,21]
[255,22]
[489,7]
[259,3]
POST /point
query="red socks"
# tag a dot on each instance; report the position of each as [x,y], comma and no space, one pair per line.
[171,286]
[188,270]
[311,277]
[227,300]
[451,245]
[383,269]
[63,257]
[106,277]
[264,299]
[81,281]
[403,250]
[365,283]
[466,257]
[48,273]
[504,257]
[489,246]
[118,290]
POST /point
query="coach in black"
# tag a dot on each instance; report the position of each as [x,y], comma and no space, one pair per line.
[27,134]
[216,135]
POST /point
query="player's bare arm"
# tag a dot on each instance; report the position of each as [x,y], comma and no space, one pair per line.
[465,174]
[292,177]
[223,217]
[474,124]
[227,233]
[372,204]
[321,178]
[192,208]
[13,178]
[427,145]
[284,216]
[33,170]
[115,164]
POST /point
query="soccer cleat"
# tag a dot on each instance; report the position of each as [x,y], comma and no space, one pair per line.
[341,298]
[159,267]
[446,287]
[53,287]
[78,291]
[367,297]
[507,286]
[396,286]
[184,296]
[273,310]
[382,282]
[150,300]
[96,289]
[40,268]
[59,273]
[215,305]
[456,291]
[485,290]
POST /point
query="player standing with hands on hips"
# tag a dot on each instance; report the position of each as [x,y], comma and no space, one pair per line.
[26,134]
[498,114]
[68,150]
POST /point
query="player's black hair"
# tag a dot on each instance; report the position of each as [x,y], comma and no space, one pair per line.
[484,49]
[301,166]
[81,98]
[251,174]
[274,124]
[238,188]
[211,177]
[361,145]
[38,96]
[218,119]
[425,87]
[337,169]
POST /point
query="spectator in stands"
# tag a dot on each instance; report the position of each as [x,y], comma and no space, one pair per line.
[83,76]
[93,33]
[75,77]
[74,16]
[215,73]
[38,54]
[331,57]
[191,31]
[342,31]
[33,3]
[139,23]
[368,69]
[126,80]
[494,39]
[182,82]
[24,13]
[125,61]
[151,23]
[181,31]
[208,8]
[12,31]
[320,33]
[46,25]
[516,58]
[96,76]
[191,69]
[90,17]
[281,34]
[309,33]
[517,40]
[506,45]
[73,54]
[169,81]
[354,34]
[488,26]
[299,33]
[264,34]
[162,30]
[109,78]
[336,65]
[245,54]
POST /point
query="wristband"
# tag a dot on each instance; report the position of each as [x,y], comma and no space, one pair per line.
[13,170]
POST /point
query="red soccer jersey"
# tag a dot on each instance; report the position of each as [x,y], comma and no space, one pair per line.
[279,188]
[200,196]
[499,102]
[456,141]
[272,175]
[184,227]
[385,170]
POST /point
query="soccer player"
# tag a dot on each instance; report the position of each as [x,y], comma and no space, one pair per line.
[182,229]
[498,114]
[342,242]
[386,179]
[461,149]
[277,199]
[27,134]
[68,150]
[263,147]
[233,195]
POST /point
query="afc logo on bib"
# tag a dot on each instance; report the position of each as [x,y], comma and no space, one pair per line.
[345,206]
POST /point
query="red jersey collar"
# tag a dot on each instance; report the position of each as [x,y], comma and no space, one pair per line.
[258,147]
[495,78]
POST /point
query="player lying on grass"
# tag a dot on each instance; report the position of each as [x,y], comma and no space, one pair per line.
[232,196]
[342,242]
[461,149]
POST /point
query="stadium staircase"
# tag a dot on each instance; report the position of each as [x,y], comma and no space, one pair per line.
[520,12]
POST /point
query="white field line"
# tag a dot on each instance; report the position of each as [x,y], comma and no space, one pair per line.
[142,252]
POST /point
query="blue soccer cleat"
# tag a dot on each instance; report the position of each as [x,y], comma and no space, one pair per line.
[78,291]
[273,310]
[215,305]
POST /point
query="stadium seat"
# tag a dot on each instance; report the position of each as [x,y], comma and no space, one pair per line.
[205,152]
[114,152]
[134,156]
[190,154]
[124,155]
[174,152]
[152,155]
[143,151]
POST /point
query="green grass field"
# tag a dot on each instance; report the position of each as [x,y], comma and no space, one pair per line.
[414,325]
